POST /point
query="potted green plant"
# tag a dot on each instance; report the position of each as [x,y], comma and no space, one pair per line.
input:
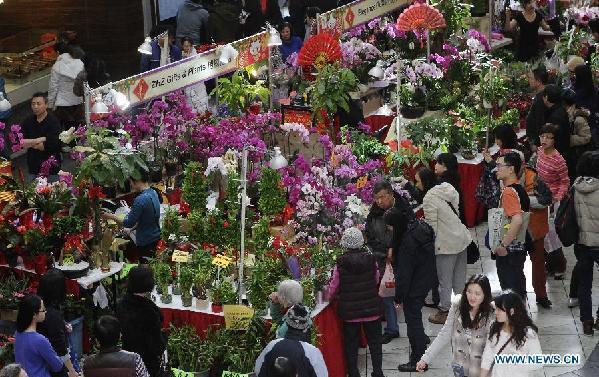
[330,91]
[272,195]
[163,274]
[186,277]
[238,92]
[413,100]
[195,187]
[493,88]
[222,293]
[201,280]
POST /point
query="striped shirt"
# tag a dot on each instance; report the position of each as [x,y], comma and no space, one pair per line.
[553,170]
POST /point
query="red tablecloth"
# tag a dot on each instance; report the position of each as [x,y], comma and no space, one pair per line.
[469,177]
[327,322]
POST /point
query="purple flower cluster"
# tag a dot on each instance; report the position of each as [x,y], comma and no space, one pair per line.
[15,136]
[473,33]
[47,166]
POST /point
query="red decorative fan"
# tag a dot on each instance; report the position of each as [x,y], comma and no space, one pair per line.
[318,50]
[420,18]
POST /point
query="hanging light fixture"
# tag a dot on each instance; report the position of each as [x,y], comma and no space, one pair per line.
[4,103]
[120,100]
[377,71]
[274,38]
[99,106]
[278,161]
[227,53]
[146,47]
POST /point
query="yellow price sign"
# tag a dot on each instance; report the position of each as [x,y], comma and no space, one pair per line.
[180,256]
[237,316]
[221,260]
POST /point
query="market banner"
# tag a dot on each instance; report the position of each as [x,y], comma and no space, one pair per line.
[346,17]
[186,72]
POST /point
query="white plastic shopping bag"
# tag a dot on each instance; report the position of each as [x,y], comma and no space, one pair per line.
[387,287]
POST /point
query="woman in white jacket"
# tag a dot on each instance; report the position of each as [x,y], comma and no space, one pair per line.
[440,205]
[66,105]
[512,333]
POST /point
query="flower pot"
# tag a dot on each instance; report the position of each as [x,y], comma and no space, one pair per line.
[255,108]
[166,299]
[319,298]
[468,155]
[202,304]
[412,112]
[40,264]
[176,290]
[217,308]
[187,300]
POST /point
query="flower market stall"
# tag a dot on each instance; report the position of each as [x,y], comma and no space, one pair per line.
[260,190]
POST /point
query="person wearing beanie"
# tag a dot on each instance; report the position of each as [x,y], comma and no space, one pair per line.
[295,347]
[355,283]
[141,320]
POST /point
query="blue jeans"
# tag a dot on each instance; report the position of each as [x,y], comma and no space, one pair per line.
[587,257]
[390,316]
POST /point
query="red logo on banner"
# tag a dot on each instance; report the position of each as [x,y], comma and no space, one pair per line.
[349,17]
[141,89]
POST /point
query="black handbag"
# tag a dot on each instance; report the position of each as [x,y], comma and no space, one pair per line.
[472,253]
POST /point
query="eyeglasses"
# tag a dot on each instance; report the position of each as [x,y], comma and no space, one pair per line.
[546,137]
[502,165]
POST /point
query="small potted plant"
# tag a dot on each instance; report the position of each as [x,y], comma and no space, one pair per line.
[186,277]
[163,274]
[201,280]
[222,293]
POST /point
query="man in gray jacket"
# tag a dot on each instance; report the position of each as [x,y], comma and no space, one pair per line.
[192,20]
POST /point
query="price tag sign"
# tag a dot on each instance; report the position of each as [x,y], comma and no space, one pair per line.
[180,256]
[221,261]
[181,373]
[237,317]
[226,373]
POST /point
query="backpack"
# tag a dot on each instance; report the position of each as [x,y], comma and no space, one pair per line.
[488,190]
[542,191]
[566,223]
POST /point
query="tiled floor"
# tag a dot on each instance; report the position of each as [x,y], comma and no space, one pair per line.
[560,329]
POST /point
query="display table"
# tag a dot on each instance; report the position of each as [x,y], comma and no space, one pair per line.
[324,316]
[96,275]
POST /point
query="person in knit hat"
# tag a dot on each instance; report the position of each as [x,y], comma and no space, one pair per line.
[301,356]
[355,282]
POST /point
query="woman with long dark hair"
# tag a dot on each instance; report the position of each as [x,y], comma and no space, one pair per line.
[584,87]
[51,289]
[33,350]
[512,333]
[446,170]
[466,329]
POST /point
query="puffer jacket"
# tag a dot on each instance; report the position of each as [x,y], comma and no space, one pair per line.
[586,204]
[580,130]
[62,80]
[451,236]
[192,20]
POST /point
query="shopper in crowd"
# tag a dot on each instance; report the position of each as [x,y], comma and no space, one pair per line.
[594,26]
[192,20]
[537,79]
[67,106]
[447,170]
[4,114]
[111,359]
[51,289]
[297,17]
[144,217]
[555,113]
[512,333]
[196,94]
[580,132]
[288,294]
[540,198]
[311,22]
[33,350]
[295,348]
[528,22]
[13,370]
[510,254]
[291,44]
[414,267]
[223,23]
[440,205]
[40,138]
[355,281]
[586,205]
[466,329]
[380,240]
[260,12]
[149,62]
[188,49]
[552,168]
[141,320]
[584,87]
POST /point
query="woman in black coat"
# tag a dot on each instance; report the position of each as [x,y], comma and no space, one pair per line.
[261,12]
[141,320]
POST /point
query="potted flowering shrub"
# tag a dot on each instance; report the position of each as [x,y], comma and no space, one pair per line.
[201,280]
[222,293]
[163,274]
[238,92]
[493,87]
[186,277]
[330,91]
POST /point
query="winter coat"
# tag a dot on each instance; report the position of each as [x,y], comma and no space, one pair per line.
[451,236]
[580,133]
[414,268]
[538,224]
[141,327]
[586,204]
[358,289]
[192,20]
[535,119]
[306,357]
[223,24]
[256,19]
[62,80]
